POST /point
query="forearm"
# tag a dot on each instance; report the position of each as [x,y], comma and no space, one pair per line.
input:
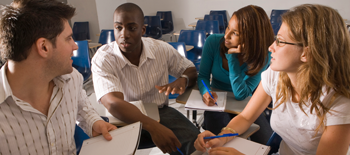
[191,72]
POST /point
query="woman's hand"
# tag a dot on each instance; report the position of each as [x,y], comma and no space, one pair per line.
[208,100]
[201,145]
[224,151]
[235,50]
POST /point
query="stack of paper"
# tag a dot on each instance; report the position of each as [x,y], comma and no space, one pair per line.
[195,102]
[116,121]
[125,140]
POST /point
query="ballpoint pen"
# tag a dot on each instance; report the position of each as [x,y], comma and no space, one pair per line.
[224,135]
[179,150]
[208,91]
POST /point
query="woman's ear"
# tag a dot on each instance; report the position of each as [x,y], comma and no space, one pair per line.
[43,46]
[303,55]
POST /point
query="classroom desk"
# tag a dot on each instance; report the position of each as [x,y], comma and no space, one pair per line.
[189,47]
[199,18]
[193,25]
[93,48]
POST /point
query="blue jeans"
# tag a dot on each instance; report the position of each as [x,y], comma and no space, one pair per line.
[184,130]
[215,121]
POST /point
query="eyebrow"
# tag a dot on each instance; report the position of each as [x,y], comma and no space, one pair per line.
[133,23]
[69,36]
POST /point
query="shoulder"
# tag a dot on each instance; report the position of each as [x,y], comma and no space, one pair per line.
[269,79]
[215,38]
[154,44]
[104,54]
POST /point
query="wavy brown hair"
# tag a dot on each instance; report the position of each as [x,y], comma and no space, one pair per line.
[323,31]
[256,34]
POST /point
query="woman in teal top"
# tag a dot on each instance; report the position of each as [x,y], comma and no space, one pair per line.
[236,60]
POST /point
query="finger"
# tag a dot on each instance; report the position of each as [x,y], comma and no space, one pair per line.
[215,96]
[111,127]
[234,50]
[211,102]
[158,87]
[175,90]
[105,133]
[168,90]
[182,90]
[198,146]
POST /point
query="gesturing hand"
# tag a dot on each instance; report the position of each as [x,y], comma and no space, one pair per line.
[165,139]
[176,87]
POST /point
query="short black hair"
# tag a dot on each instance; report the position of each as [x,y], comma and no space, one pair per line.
[131,8]
[23,22]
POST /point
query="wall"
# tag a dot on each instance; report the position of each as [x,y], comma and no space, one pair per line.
[86,11]
[105,10]
[5,2]
[185,11]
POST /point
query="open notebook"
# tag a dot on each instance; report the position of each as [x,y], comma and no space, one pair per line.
[195,102]
[244,146]
[125,140]
[116,121]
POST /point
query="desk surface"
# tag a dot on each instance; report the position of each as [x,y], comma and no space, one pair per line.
[94,45]
[189,47]
[194,24]
[232,105]
[199,18]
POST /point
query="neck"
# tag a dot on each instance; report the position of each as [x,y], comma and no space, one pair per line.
[293,80]
[134,56]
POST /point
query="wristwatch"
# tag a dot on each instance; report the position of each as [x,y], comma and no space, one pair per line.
[185,76]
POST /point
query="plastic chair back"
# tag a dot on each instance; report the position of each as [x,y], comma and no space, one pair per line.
[274,142]
[81,59]
[196,38]
[106,36]
[219,18]
[275,20]
[166,20]
[81,31]
[209,26]
[220,12]
[153,27]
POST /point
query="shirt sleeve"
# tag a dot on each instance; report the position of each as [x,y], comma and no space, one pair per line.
[87,114]
[241,87]
[207,62]
[267,81]
[104,78]
[177,64]
[339,113]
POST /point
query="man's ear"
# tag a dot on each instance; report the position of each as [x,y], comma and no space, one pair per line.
[143,29]
[43,46]
[303,55]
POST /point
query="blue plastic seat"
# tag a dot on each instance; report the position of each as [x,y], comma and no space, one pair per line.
[106,36]
[274,143]
[153,27]
[196,38]
[209,26]
[275,20]
[81,59]
[81,31]
[220,12]
[166,20]
[219,18]
[181,48]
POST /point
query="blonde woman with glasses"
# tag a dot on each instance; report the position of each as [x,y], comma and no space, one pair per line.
[309,84]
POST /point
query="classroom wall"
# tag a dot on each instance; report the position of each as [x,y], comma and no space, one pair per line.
[105,10]
[5,2]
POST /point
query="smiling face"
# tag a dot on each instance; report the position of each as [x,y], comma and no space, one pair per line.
[128,30]
[231,33]
[286,57]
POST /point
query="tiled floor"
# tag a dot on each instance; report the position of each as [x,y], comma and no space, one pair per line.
[152,151]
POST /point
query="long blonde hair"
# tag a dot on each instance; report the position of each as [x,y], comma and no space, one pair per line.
[323,31]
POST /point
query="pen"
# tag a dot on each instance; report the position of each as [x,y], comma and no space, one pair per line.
[208,91]
[179,150]
[224,135]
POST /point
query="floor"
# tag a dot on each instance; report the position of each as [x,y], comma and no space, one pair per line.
[152,151]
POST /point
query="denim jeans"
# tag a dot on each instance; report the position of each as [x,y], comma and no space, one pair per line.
[184,130]
[215,121]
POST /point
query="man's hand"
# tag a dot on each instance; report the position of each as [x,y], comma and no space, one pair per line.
[176,87]
[102,127]
[165,139]
[208,100]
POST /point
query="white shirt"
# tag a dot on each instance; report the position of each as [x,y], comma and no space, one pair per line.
[296,129]
[113,72]
[25,130]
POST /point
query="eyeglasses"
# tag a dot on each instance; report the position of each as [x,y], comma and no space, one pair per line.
[278,42]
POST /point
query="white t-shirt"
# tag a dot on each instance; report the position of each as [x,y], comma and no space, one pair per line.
[297,129]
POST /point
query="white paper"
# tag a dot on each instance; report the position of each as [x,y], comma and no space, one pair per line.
[116,121]
[195,102]
[124,141]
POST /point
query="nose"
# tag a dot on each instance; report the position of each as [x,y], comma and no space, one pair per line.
[226,36]
[125,33]
[272,47]
[75,46]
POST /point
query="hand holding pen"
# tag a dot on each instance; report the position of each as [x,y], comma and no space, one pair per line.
[207,139]
[209,98]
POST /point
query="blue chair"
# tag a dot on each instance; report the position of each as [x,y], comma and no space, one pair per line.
[153,27]
[81,59]
[80,135]
[274,143]
[209,26]
[196,38]
[81,31]
[275,20]
[106,36]
[181,48]
[220,12]
[219,18]
[166,20]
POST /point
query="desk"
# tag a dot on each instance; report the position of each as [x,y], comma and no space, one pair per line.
[193,25]
[199,18]
[93,48]
[189,47]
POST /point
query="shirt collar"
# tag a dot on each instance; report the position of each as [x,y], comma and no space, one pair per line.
[6,91]
[146,53]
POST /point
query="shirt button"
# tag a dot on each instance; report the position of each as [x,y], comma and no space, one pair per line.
[52,144]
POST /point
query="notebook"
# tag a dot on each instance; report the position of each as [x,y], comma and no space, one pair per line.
[125,140]
[246,147]
[116,121]
[195,102]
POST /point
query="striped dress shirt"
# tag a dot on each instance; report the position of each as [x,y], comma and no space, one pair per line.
[113,72]
[24,130]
